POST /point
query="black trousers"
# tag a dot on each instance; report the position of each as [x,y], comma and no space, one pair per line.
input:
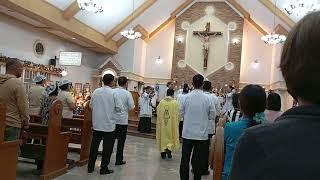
[121,136]
[144,125]
[108,143]
[198,157]
[206,154]
[180,128]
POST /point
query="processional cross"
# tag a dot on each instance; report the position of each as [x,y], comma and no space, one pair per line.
[205,38]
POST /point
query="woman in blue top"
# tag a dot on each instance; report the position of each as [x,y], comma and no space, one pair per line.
[252,101]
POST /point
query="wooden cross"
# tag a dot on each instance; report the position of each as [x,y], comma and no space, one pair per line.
[205,35]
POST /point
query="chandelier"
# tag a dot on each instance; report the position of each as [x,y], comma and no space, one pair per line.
[274,38]
[301,8]
[90,5]
[131,33]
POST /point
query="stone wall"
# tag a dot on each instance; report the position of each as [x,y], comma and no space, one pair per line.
[220,77]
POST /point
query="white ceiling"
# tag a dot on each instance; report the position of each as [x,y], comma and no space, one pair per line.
[155,15]
[61,4]
[117,10]
[265,18]
[114,11]
[282,4]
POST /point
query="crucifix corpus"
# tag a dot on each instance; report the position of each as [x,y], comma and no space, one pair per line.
[205,38]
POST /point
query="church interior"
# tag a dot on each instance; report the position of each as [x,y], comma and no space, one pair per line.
[153,43]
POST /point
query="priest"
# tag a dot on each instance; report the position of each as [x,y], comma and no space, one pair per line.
[167,125]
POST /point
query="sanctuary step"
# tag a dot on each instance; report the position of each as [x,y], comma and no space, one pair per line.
[133,129]
[133,121]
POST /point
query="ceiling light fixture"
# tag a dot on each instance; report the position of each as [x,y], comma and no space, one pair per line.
[300,9]
[94,6]
[159,60]
[131,33]
[274,38]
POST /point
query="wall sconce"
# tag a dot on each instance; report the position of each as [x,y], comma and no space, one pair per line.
[229,66]
[64,73]
[159,60]
[180,39]
[255,64]
[235,41]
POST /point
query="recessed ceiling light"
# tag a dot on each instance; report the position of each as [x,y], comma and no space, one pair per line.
[73,38]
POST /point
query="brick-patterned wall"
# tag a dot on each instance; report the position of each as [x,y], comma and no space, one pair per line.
[220,77]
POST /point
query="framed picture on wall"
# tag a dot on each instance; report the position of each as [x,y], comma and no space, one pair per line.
[78,88]
[39,48]
[86,88]
[27,74]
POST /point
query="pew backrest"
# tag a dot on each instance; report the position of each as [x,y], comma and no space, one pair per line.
[56,146]
[218,153]
[87,134]
[55,157]
[3,111]
[8,149]
[81,129]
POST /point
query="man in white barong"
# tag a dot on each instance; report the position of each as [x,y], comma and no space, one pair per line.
[145,105]
[197,110]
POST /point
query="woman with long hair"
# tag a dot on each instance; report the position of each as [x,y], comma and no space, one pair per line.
[252,100]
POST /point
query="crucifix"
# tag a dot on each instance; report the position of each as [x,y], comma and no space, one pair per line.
[205,38]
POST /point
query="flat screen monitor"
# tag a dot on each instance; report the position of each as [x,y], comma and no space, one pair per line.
[70,58]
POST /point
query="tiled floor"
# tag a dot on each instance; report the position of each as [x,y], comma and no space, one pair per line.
[143,163]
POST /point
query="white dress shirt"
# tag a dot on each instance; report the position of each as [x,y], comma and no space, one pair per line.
[196,110]
[145,105]
[213,100]
[127,103]
[217,104]
[104,103]
[181,98]
[228,105]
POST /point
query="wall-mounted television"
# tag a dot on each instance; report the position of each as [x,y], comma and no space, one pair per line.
[70,58]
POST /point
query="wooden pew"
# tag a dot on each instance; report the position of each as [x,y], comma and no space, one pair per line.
[81,130]
[8,150]
[216,158]
[54,152]
[81,133]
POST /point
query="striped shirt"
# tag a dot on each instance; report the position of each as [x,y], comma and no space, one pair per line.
[234,115]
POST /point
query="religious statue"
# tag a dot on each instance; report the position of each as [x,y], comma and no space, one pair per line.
[205,38]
